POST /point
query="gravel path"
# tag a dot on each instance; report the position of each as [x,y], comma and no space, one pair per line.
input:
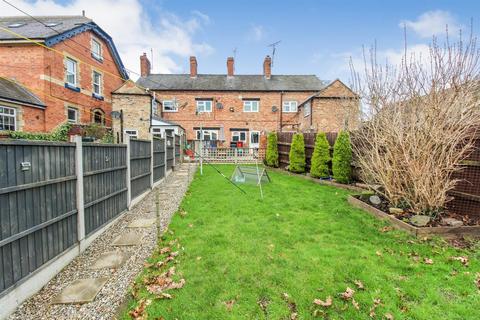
[112,295]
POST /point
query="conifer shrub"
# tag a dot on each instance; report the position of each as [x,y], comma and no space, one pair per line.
[320,157]
[342,158]
[297,154]
[271,157]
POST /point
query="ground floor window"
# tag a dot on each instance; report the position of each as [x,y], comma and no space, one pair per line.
[133,133]
[207,134]
[99,116]
[239,136]
[8,118]
[72,114]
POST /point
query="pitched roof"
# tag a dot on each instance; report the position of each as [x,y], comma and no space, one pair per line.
[55,29]
[218,82]
[14,92]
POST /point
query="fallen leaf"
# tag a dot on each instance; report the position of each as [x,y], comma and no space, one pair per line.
[139,312]
[359,284]
[173,254]
[388,316]
[355,304]
[477,281]
[463,260]
[148,265]
[199,258]
[229,304]
[428,261]
[164,295]
[378,253]
[327,303]
[386,229]
[376,303]
[165,250]
[190,225]
[348,294]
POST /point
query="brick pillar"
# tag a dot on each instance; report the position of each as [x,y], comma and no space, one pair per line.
[144,65]
[267,68]
[230,66]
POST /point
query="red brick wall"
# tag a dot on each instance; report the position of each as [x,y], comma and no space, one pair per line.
[33,66]
[33,119]
[265,120]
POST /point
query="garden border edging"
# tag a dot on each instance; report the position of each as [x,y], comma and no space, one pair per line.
[445,232]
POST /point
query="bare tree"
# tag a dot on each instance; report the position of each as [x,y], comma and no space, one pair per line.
[422,118]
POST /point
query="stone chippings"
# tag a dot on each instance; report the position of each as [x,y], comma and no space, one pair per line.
[113,293]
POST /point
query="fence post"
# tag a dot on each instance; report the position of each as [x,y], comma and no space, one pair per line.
[151,161]
[236,155]
[174,150]
[165,155]
[126,140]
[80,200]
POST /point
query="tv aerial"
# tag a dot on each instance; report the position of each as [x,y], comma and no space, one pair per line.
[274,48]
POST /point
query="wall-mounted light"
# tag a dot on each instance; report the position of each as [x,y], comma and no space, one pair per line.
[232,109]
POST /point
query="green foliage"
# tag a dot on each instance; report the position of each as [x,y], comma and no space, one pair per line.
[297,154]
[342,158]
[271,158]
[320,157]
[95,130]
[108,137]
[59,134]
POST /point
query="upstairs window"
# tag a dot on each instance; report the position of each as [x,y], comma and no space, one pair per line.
[290,106]
[169,106]
[7,118]
[251,105]
[96,49]
[204,106]
[307,109]
[71,72]
[72,115]
[97,83]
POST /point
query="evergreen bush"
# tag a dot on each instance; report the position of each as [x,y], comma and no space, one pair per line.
[271,158]
[342,158]
[59,134]
[320,157]
[297,154]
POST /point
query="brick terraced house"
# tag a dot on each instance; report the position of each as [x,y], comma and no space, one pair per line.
[242,108]
[74,80]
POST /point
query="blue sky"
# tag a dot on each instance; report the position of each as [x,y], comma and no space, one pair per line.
[317,37]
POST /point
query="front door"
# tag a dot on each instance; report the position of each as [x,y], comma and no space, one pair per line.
[254,139]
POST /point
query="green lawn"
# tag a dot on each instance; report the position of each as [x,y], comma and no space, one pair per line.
[239,255]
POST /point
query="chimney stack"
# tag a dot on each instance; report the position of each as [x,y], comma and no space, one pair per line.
[193,67]
[267,67]
[144,65]
[230,66]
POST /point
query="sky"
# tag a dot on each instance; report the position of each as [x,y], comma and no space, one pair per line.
[317,37]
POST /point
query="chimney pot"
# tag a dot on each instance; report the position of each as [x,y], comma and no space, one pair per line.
[230,66]
[193,67]
[145,66]
[267,67]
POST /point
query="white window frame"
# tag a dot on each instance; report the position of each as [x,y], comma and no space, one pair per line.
[69,72]
[290,106]
[207,132]
[202,105]
[97,55]
[251,105]
[99,84]
[239,135]
[173,106]
[4,115]
[76,115]
[133,133]
[307,109]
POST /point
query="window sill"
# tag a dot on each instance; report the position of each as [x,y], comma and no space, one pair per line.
[98,97]
[72,87]
[170,110]
[306,116]
[289,111]
[99,59]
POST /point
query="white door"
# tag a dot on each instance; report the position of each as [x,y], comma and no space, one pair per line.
[254,139]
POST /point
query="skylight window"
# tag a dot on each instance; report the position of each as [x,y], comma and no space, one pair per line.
[52,24]
[16,25]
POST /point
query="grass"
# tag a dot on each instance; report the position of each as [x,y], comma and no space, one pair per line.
[305,240]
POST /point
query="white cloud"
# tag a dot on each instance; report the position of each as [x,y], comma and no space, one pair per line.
[127,22]
[432,23]
[257,33]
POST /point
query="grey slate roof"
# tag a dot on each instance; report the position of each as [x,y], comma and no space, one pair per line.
[14,92]
[36,30]
[218,82]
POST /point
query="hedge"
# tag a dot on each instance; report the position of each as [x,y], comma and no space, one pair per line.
[342,158]
[320,157]
[59,134]
[271,157]
[297,154]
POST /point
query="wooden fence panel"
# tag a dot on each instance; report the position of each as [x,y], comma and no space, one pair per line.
[38,215]
[178,150]
[158,159]
[105,187]
[140,157]
[170,155]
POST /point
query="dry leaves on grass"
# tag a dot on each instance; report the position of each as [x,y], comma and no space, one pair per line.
[376,303]
[359,284]
[386,229]
[378,253]
[348,294]
[477,281]
[388,316]
[139,312]
[229,304]
[327,303]
[427,261]
[292,306]
[355,304]
[463,260]
[165,250]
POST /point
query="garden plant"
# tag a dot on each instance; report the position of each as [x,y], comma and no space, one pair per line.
[297,154]
[342,158]
[271,157]
[320,157]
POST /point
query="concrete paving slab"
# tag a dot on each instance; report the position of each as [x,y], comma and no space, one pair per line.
[111,259]
[142,223]
[127,239]
[80,291]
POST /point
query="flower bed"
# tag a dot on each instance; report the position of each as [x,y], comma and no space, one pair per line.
[443,231]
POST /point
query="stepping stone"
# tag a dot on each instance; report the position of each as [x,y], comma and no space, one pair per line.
[142,223]
[111,259]
[127,239]
[80,291]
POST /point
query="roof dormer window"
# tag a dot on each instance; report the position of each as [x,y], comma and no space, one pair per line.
[17,25]
[96,50]
[52,24]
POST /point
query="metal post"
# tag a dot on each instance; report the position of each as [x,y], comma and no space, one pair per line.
[129,182]
[80,200]
[201,150]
